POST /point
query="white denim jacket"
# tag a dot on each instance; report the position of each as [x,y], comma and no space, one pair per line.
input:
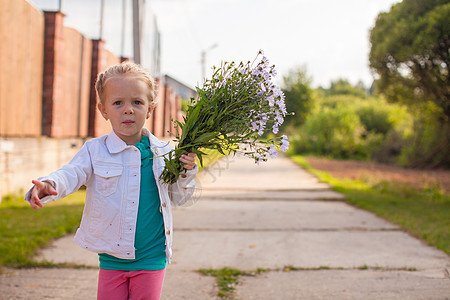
[110,170]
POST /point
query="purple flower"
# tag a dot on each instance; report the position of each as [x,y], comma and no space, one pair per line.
[265,61]
[256,71]
[273,71]
[272,152]
[277,91]
[281,105]
[254,126]
[275,128]
[271,101]
[279,118]
[284,143]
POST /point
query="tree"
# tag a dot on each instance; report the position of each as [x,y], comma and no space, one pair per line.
[298,92]
[410,53]
[344,87]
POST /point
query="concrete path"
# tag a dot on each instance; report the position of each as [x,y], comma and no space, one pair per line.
[274,216]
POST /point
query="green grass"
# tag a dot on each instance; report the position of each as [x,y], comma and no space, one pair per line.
[423,212]
[24,230]
[227,279]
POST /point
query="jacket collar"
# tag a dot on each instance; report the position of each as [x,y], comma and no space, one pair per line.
[115,144]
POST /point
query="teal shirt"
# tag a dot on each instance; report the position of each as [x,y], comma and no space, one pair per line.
[150,241]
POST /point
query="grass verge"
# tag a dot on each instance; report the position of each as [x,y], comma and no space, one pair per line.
[423,212]
[25,230]
[228,278]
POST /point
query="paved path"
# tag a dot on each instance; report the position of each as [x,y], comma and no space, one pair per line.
[269,216]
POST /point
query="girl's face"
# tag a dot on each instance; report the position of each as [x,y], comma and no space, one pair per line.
[126,106]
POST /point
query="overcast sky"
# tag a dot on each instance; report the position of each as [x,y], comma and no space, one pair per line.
[329,37]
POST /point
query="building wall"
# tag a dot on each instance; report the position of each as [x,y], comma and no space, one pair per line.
[25,158]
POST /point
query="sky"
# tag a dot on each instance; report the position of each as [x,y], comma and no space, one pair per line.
[327,37]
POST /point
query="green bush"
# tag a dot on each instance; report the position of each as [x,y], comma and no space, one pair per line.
[337,100]
[428,146]
[380,117]
[347,126]
[335,132]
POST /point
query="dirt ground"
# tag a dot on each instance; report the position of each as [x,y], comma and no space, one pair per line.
[375,172]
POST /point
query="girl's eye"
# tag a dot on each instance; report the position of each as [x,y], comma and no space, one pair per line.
[137,102]
[116,102]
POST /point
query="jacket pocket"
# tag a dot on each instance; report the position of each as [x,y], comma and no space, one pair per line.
[107,179]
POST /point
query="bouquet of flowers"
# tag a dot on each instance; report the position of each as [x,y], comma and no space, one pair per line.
[232,113]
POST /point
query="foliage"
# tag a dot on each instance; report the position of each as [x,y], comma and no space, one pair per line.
[378,117]
[228,278]
[333,131]
[24,230]
[410,54]
[423,212]
[233,111]
[370,128]
[428,145]
[299,94]
[344,87]
[346,126]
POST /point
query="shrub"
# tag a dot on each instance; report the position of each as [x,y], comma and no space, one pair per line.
[379,116]
[346,126]
[337,132]
[428,146]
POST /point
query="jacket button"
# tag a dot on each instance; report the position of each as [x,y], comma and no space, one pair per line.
[183,175]
[164,204]
[168,231]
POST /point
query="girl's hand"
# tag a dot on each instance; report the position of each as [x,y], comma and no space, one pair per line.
[39,191]
[188,161]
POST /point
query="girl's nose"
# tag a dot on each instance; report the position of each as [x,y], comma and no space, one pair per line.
[128,109]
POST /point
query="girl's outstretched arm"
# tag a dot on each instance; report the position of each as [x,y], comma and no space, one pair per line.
[62,182]
[39,191]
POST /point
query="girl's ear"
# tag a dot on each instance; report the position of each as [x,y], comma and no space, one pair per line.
[151,107]
[102,111]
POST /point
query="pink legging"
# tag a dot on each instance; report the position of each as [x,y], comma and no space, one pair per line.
[122,285]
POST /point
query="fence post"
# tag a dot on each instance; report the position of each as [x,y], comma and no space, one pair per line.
[53,72]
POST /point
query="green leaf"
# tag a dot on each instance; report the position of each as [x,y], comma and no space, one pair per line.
[206,137]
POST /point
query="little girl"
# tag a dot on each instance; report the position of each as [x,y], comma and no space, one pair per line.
[127,217]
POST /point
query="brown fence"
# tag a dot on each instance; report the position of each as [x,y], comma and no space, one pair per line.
[76,84]
[21,63]
[47,76]
[47,96]
[68,66]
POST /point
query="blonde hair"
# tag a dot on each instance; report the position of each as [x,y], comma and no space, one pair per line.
[121,69]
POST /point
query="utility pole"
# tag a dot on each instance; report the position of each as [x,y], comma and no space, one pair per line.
[203,60]
[124,17]
[102,13]
[137,8]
